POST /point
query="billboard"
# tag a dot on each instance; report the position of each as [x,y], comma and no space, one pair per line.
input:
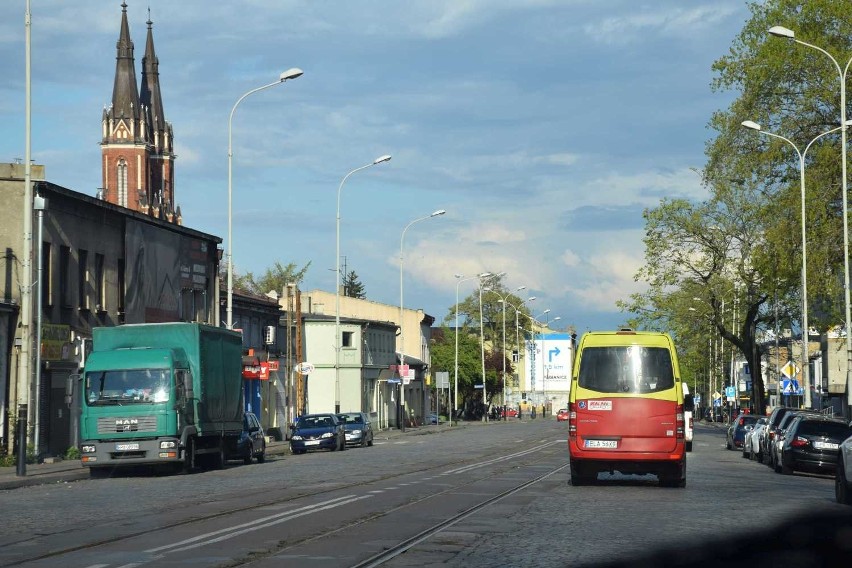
[548,362]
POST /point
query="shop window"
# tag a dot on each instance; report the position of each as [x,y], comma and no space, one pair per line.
[83,279]
[120,288]
[65,276]
[100,283]
[46,283]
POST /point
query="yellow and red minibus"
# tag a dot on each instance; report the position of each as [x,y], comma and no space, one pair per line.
[625,410]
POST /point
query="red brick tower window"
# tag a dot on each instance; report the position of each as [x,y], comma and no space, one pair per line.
[122,182]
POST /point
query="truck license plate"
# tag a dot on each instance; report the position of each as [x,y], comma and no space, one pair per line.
[601,443]
[127,447]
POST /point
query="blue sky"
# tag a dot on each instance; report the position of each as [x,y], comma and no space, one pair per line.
[542,127]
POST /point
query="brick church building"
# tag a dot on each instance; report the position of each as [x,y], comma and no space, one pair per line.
[138,144]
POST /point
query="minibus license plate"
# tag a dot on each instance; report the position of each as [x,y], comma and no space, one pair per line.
[126,447]
[601,443]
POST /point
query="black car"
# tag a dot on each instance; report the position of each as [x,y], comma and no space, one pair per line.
[776,444]
[252,442]
[811,444]
[317,432]
[358,428]
[769,433]
[715,414]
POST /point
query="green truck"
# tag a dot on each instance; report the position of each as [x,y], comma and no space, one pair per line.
[161,394]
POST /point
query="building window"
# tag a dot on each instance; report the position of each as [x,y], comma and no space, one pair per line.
[100,283]
[122,182]
[347,338]
[46,283]
[120,287]
[65,276]
[83,279]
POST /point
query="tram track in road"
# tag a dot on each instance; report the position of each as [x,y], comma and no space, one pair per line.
[50,551]
[406,545]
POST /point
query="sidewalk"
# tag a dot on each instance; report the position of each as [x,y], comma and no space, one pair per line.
[71,470]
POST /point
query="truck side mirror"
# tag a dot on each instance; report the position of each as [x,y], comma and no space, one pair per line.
[185,380]
[69,388]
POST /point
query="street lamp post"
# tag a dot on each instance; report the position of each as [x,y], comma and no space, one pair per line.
[532,350]
[286,75]
[781,31]
[337,339]
[545,364]
[755,126]
[503,300]
[482,349]
[401,313]
[518,327]
[461,279]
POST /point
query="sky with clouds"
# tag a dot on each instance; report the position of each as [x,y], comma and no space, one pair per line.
[542,127]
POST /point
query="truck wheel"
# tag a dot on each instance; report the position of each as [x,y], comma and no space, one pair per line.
[190,463]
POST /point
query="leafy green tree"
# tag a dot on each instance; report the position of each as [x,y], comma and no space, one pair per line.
[469,356]
[352,286]
[742,247]
[274,278]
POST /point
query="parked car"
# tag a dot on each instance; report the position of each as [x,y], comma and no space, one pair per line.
[317,432]
[510,412]
[562,415]
[776,446]
[843,474]
[358,428]
[743,424]
[252,441]
[769,432]
[715,414]
[752,438]
[811,444]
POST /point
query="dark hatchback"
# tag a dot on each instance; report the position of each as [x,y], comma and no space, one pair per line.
[737,430]
[811,444]
[317,432]
[358,427]
[252,441]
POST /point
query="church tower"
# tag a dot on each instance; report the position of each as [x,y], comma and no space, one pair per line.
[137,142]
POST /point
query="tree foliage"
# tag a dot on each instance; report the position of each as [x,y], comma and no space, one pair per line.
[352,286]
[275,278]
[742,247]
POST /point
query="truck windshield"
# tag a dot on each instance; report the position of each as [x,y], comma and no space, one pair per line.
[135,386]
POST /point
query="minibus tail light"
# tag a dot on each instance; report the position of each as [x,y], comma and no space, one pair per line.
[572,420]
[679,422]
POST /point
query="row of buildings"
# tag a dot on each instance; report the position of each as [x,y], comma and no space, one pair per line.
[124,255]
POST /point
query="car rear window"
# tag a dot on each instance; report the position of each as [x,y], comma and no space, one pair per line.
[626,369]
[837,430]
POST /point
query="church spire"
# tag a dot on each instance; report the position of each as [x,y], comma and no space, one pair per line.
[125,97]
[150,94]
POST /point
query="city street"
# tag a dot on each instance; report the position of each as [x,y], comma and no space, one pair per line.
[460,497]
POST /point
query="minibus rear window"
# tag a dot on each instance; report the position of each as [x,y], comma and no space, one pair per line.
[626,369]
